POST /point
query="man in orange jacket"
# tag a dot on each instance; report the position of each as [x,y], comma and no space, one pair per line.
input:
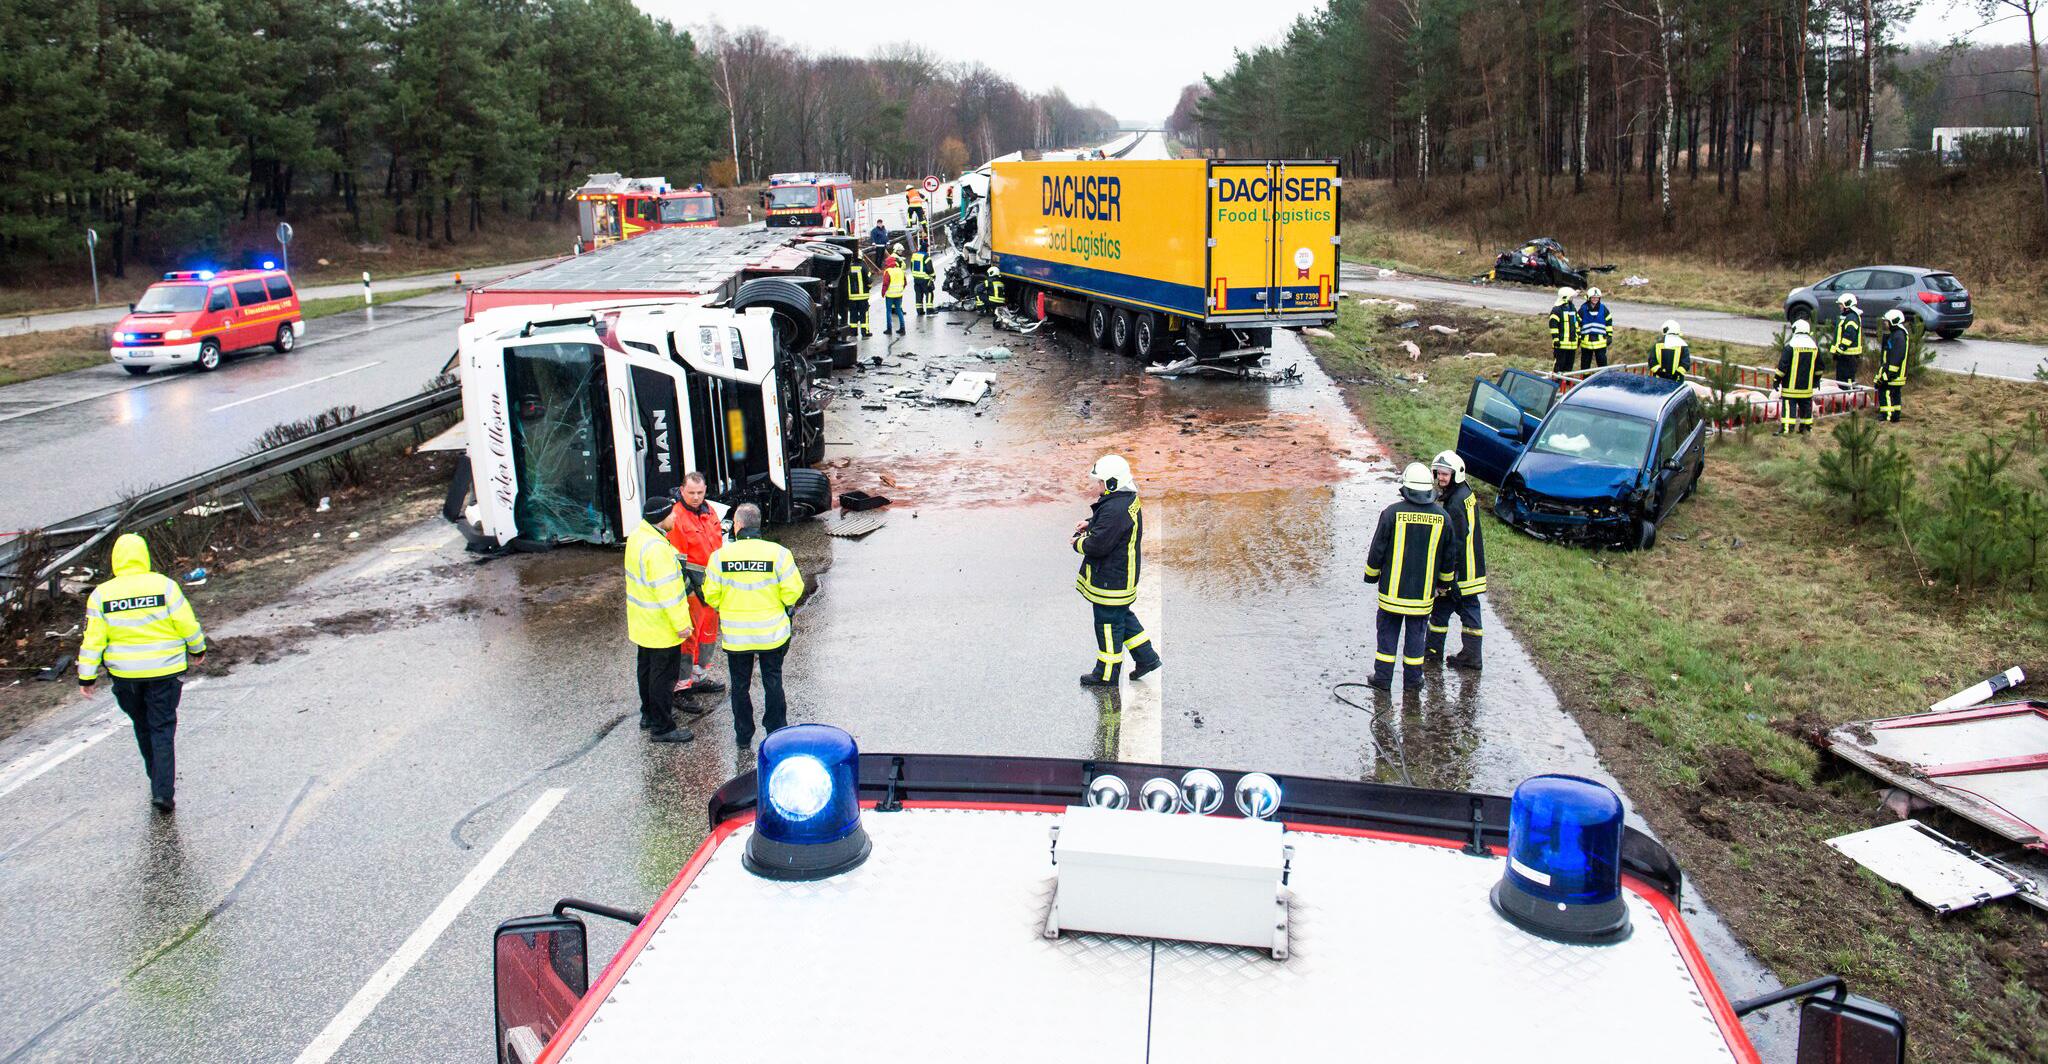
[695,534]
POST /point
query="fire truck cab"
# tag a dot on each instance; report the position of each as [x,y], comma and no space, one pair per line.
[809,200]
[942,907]
[694,208]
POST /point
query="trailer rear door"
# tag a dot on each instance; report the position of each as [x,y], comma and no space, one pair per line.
[1272,231]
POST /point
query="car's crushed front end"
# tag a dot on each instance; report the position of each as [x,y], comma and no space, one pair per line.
[1595,505]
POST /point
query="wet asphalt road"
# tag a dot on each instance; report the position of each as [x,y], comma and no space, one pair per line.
[401,717]
[80,440]
[1967,354]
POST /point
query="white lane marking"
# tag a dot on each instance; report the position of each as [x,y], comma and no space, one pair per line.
[295,387]
[27,769]
[1140,732]
[415,946]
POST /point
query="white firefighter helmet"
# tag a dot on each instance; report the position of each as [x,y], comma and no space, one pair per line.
[1592,293]
[1418,485]
[1564,294]
[1848,300]
[1449,460]
[1670,327]
[1895,316]
[1113,472]
[1802,327]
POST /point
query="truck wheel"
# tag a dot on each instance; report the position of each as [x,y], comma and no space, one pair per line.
[1145,337]
[810,494]
[1120,331]
[286,339]
[796,319]
[209,355]
[1098,324]
[136,370]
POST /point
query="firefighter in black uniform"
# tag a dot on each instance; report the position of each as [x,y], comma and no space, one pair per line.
[857,296]
[1798,376]
[1564,333]
[1671,357]
[1469,581]
[1848,345]
[1891,372]
[921,277]
[1109,544]
[1411,559]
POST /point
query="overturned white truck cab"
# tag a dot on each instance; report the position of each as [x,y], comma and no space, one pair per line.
[593,384]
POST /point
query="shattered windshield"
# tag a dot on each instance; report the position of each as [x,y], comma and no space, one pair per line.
[556,391]
[793,196]
[1595,436]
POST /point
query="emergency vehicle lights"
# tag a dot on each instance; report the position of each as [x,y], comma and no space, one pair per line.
[270,264]
[1563,879]
[807,824]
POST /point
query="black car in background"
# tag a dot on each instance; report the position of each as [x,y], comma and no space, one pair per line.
[1540,262]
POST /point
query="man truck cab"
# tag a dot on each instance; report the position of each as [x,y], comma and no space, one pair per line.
[579,413]
[196,317]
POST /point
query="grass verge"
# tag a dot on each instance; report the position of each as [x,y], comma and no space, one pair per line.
[43,354]
[1701,670]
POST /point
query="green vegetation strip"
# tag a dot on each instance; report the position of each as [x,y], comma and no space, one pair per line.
[1703,668]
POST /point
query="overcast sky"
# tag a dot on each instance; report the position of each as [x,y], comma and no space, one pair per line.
[1130,57]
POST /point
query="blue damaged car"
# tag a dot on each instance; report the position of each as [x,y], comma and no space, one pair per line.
[1604,463]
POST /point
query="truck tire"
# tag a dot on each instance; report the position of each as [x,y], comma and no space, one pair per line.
[1098,324]
[1120,331]
[1145,341]
[796,319]
[810,494]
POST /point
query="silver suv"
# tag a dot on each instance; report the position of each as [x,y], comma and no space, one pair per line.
[1937,297]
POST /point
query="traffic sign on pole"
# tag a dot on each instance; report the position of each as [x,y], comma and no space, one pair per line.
[92,256]
[284,244]
[931,183]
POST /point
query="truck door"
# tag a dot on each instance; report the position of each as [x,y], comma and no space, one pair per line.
[650,425]
[1304,209]
[1243,235]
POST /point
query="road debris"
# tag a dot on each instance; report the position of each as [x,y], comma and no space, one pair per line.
[196,578]
[855,501]
[996,353]
[1635,280]
[1937,871]
[1320,334]
[853,526]
[1409,325]
[1414,352]
[968,388]
[1987,763]
[1970,696]
[1443,330]
[326,504]
[1481,354]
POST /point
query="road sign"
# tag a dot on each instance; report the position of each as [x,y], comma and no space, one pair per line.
[284,232]
[284,244]
[92,243]
[931,184]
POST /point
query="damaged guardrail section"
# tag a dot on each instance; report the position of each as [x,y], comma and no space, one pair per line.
[72,539]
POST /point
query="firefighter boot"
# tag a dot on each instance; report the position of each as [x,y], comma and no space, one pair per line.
[1467,657]
[1100,677]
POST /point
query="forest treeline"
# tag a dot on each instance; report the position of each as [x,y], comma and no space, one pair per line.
[162,123]
[1761,96]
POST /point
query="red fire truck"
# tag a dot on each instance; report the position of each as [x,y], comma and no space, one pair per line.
[809,200]
[610,208]
[921,907]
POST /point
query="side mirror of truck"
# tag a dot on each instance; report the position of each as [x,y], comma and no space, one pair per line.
[1850,1030]
[540,969]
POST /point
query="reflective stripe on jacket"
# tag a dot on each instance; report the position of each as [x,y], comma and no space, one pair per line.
[1671,358]
[752,583]
[139,624]
[995,289]
[1564,326]
[857,280]
[1467,545]
[1896,343]
[1411,556]
[895,283]
[1595,323]
[1110,549]
[1799,368]
[1848,335]
[920,266]
[657,610]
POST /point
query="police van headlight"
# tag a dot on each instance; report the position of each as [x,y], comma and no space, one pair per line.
[1563,879]
[807,819]
[178,334]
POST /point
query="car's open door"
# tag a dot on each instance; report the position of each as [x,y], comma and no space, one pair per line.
[1494,430]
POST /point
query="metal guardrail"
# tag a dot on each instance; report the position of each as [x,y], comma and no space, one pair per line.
[79,535]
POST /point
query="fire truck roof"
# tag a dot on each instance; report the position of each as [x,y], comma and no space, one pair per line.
[935,948]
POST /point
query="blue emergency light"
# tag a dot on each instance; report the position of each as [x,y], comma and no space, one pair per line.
[807,814]
[270,264]
[1563,879]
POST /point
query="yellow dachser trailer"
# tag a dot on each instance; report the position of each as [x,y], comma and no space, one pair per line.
[1170,260]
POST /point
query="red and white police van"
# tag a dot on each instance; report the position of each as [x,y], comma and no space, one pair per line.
[913,907]
[195,317]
